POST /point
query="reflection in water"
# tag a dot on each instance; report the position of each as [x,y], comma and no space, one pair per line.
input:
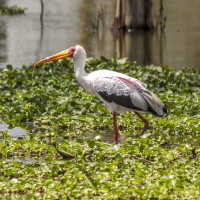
[107,137]
[24,39]
[145,46]
[142,43]
[3,45]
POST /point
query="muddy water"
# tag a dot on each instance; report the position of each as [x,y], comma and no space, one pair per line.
[23,39]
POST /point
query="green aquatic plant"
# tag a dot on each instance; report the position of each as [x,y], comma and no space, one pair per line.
[14,10]
[47,102]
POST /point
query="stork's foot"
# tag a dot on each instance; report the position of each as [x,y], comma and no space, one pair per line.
[146,123]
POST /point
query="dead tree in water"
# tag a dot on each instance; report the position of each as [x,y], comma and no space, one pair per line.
[42,10]
[160,19]
[133,14]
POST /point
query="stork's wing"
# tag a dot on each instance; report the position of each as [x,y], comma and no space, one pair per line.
[127,93]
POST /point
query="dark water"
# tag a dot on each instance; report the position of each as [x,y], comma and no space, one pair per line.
[24,40]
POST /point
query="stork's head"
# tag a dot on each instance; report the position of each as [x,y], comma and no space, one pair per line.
[72,52]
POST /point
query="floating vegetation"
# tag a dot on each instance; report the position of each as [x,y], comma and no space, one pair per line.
[48,102]
[14,10]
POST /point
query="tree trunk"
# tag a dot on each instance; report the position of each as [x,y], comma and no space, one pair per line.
[42,10]
[148,15]
[133,14]
[119,17]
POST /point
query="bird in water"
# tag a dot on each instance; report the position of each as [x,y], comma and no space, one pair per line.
[119,92]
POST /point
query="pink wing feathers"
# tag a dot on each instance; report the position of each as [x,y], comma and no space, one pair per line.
[129,93]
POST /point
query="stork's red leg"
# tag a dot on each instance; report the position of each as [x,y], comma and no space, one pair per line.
[115,128]
[146,123]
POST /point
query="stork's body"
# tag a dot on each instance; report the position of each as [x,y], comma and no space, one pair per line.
[119,92]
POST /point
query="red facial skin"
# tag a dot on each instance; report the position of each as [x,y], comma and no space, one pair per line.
[71,51]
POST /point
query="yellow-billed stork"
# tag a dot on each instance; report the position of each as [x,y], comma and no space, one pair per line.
[119,92]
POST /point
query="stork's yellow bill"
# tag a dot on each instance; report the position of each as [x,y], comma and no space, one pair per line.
[61,55]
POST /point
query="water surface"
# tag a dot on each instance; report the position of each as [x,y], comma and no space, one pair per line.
[15,132]
[24,40]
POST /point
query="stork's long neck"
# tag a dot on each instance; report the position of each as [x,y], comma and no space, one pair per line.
[79,68]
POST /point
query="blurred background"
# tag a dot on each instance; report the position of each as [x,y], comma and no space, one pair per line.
[26,38]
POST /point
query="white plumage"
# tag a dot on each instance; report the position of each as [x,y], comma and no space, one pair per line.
[119,92]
